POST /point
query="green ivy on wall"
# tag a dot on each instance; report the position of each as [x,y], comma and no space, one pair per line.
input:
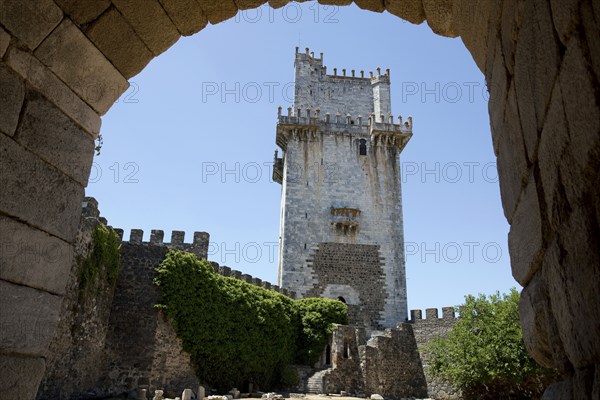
[103,259]
[236,332]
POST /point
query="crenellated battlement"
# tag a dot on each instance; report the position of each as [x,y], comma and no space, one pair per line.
[224,270]
[308,124]
[343,91]
[198,246]
[432,315]
[157,237]
[345,74]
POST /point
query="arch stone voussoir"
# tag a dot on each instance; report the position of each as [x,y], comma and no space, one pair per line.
[117,40]
[70,55]
[412,11]
[187,15]
[83,12]
[440,17]
[150,21]
[218,11]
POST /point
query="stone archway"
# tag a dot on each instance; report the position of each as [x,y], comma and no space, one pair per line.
[65,62]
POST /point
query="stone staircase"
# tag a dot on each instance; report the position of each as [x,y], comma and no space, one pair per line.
[315,382]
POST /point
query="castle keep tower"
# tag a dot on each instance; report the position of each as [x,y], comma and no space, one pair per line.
[341,232]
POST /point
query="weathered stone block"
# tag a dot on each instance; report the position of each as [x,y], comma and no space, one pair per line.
[279,3]
[333,2]
[33,258]
[583,383]
[493,36]
[572,272]
[42,79]
[412,11]
[497,83]
[590,16]
[74,59]
[536,65]
[371,5]
[511,20]
[583,114]
[559,390]
[439,17]
[553,143]
[83,11]
[12,94]
[187,15]
[151,23]
[30,20]
[38,193]
[221,11]
[52,135]
[471,21]
[512,161]
[4,41]
[565,16]
[533,313]
[28,318]
[525,236]
[21,376]
[248,4]
[115,38]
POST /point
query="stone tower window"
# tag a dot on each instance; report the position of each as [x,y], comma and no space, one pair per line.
[346,353]
[362,148]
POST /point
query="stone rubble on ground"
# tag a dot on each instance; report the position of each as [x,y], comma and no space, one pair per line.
[158,395]
[235,393]
[271,395]
[218,398]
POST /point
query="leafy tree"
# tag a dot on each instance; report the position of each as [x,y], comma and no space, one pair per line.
[316,316]
[484,355]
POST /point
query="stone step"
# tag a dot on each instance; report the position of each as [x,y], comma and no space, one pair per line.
[315,382]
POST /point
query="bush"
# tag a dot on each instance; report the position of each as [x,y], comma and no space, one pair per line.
[485,356]
[235,332]
[316,316]
[103,261]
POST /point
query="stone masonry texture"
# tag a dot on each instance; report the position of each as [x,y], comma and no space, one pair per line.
[392,363]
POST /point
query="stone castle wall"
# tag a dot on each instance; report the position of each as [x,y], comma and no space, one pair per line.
[76,352]
[109,345]
[425,330]
[391,363]
[142,349]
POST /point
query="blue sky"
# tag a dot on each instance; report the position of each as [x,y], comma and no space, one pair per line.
[189,145]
